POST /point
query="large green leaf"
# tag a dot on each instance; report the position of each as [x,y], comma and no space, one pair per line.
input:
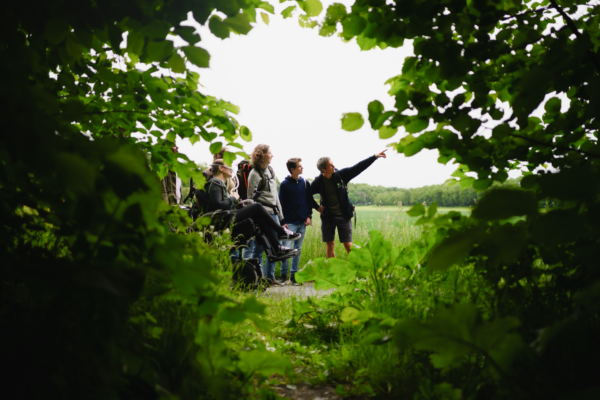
[352,122]
[245,134]
[239,24]
[457,332]
[326,273]
[262,362]
[160,50]
[311,7]
[197,56]
[217,27]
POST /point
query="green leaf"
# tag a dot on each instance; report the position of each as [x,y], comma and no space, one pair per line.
[348,314]
[432,209]
[305,22]
[386,132]
[157,29]
[267,7]
[417,125]
[245,134]
[176,63]
[265,18]
[451,250]
[197,56]
[375,109]
[228,158]
[135,42]
[56,31]
[287,13]
[263,362]
[194,138]
[216,147]
[416,210]
[159,51]
[352,121]
[217,27]
[553,106]
[239,24]
[353,25]
[482,184]
[456,332]
[311,7]
[229,107]
[327,274]
[188,33]
[503,203]
[73,48]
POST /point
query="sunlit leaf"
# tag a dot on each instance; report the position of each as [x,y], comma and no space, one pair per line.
[352,122]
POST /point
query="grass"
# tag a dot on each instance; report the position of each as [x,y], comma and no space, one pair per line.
[393,221]
[326,353]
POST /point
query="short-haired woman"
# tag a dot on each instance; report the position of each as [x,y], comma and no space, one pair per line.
[221,200]
[262,179]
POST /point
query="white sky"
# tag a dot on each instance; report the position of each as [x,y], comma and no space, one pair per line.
[293,86]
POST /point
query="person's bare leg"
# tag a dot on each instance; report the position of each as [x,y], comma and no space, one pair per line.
[330,248]
[347,246]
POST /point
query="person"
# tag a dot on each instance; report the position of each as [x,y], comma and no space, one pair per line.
[297,205]
[207,172]
[172,190]
[262,188]
[221,200]
[336,209]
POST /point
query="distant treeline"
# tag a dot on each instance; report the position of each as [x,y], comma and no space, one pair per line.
[444,195]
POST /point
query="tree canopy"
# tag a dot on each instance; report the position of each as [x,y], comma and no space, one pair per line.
[85,243]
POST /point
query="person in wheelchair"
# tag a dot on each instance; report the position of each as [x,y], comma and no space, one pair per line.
[225,208]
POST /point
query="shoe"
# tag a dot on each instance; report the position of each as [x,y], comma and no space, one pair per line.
[289,235]
[273,282]
[283,280]
[285,251]
[282,253]
[293,281]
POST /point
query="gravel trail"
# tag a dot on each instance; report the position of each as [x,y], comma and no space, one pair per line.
[306,290]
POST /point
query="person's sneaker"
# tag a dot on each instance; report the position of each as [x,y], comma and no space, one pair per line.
[283,280]
[281,253]
[289,235]
[285,251]
[274,282]
[293,281]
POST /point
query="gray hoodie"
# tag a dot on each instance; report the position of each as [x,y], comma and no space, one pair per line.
[269,196]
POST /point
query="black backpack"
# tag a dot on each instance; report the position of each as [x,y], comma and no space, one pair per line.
[243,172]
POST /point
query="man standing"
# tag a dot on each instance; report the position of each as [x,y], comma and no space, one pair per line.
[336,209]
[296,202]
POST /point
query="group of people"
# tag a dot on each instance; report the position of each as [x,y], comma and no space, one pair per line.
[282,214]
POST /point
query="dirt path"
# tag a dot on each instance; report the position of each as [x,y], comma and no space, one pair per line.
[306,290]
[304,391]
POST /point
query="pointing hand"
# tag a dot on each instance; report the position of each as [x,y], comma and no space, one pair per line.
[382,154]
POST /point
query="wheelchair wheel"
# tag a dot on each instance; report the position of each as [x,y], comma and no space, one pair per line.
[245,277]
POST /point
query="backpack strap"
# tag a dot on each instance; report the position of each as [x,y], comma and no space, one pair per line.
[263,180]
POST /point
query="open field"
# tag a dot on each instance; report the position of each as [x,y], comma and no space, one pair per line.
[390,220]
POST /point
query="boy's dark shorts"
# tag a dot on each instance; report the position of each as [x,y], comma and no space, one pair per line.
[343,225]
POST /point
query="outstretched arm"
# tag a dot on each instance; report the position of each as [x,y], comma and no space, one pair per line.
[350,173]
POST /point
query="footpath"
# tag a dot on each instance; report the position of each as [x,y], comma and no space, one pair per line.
[306,290]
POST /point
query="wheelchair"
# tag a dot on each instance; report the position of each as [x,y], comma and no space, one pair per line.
[247,273]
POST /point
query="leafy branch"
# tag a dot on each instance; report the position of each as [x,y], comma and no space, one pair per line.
[573,27]
[553,146]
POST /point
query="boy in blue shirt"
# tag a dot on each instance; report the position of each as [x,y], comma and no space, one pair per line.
[296,203]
